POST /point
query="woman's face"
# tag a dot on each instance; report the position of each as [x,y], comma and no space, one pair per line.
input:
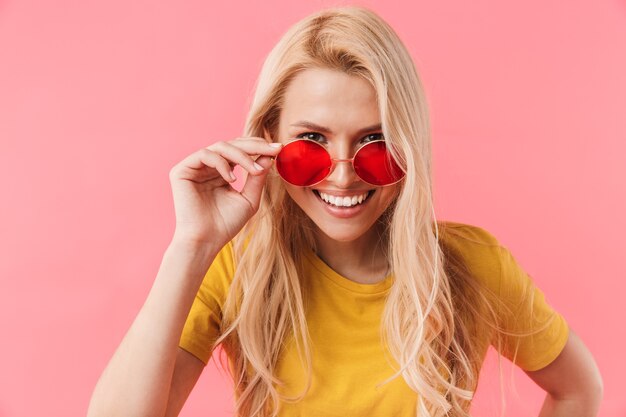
[340,112]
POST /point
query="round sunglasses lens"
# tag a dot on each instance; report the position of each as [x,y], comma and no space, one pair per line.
[303,163]
[376,166]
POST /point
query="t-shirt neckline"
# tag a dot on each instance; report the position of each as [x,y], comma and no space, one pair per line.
[346,283]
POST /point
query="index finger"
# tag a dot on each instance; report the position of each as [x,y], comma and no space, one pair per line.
[257,146]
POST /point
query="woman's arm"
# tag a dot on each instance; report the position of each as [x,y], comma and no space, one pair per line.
[137,382]
[137,379]
[572,381]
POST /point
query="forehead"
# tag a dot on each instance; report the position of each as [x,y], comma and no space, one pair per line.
[330,98]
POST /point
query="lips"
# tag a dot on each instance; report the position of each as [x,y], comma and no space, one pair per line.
[343,202]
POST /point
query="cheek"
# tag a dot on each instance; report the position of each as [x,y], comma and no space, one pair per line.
[389,196]
[291,190]
[297,194]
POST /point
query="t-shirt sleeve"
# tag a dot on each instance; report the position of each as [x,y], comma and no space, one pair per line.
[524,309]
[202,327]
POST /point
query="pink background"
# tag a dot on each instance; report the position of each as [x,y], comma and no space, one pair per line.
[98,100]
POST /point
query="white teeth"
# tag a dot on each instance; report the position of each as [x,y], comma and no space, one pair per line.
[343,201]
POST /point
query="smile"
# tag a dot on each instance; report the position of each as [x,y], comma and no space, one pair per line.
[343,201]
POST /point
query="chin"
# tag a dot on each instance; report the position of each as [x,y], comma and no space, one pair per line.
[348,235]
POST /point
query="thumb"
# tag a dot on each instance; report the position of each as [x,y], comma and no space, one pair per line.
[251,190]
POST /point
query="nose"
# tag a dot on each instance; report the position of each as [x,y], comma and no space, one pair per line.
[343,174]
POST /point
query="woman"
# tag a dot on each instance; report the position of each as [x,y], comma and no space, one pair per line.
[327,280]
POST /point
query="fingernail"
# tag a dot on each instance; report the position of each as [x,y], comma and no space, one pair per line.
[258,167]
[232,176]
[276,145]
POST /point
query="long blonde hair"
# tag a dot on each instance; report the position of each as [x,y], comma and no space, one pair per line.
[429,336]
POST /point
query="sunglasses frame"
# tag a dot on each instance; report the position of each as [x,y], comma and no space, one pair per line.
[333,162]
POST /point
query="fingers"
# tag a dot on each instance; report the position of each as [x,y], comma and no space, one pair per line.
[253,146]
[222,156]
[201,166]
[241,153]
[251,190]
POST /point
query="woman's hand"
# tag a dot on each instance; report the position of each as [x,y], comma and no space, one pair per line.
[208,209]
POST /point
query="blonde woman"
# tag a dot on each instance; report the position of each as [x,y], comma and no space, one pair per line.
[327,280]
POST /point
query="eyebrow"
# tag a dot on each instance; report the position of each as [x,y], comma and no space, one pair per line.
[313,126]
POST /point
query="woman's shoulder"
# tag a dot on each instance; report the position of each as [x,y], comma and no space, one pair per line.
[466,236]
[488,259]
[476,247]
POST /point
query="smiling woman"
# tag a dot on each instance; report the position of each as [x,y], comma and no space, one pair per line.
[346,105]
[331,272]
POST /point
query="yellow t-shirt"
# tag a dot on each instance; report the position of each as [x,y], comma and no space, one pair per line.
[344,318]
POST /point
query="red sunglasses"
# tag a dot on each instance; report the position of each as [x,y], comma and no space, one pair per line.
[305,162]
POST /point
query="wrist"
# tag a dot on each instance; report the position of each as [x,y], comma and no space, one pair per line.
[191,237]
[188,245]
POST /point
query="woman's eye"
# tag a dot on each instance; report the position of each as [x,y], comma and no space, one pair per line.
[312,136]
[319,138]
[372,137]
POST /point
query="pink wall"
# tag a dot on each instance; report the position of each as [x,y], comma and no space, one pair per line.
[98,100]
